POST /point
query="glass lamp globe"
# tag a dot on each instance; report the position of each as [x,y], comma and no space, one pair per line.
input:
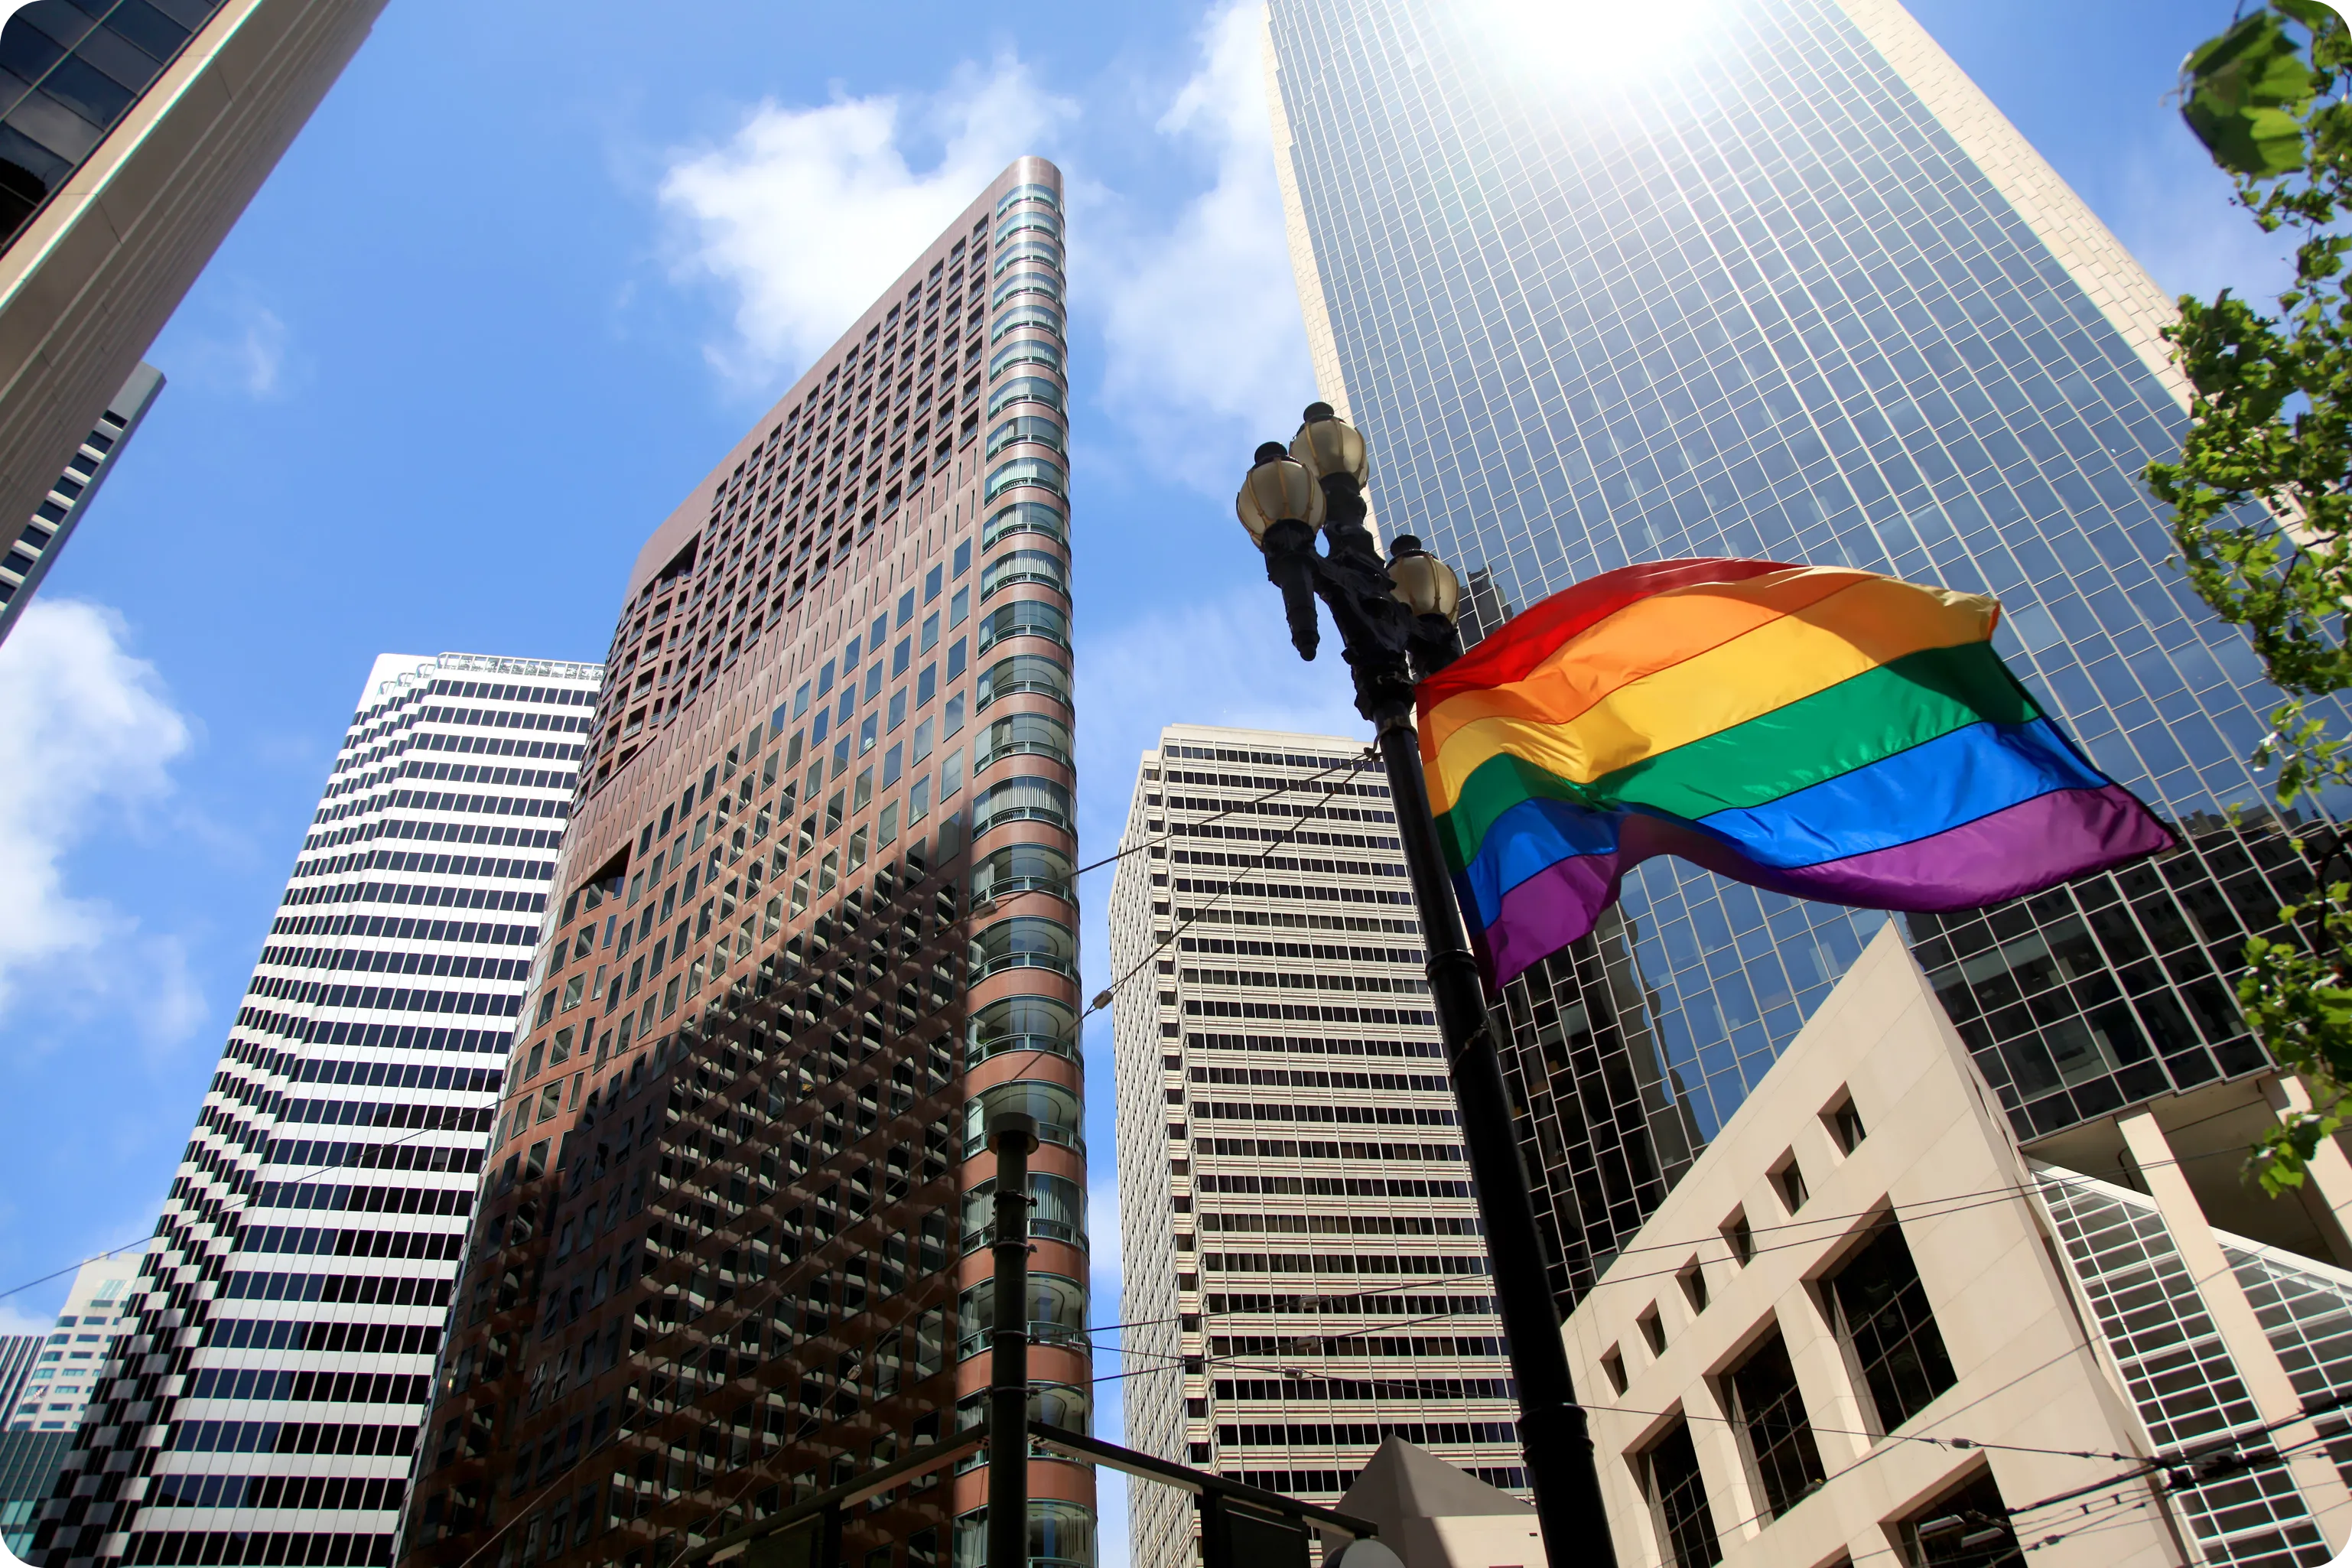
[1423,583]
[1278,489]
[1328,444]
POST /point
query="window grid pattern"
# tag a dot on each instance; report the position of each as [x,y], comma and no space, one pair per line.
[1686,1537]
[2113,989]
[2305,1308]
[1763,307]
[67,74]
[365,1103]
[769,873]
[1603,1124]
[1891,1327]
[1287,1139]
[803,501]
[1771,1413]
[2179,1375]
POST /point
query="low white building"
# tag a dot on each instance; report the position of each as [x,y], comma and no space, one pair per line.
[64,1371]
[1868,1326]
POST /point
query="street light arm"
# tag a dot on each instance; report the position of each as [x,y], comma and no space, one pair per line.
[1290,566]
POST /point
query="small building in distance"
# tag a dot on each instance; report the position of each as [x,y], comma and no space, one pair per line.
[63,1373]
[46,1382]
[1434,1515]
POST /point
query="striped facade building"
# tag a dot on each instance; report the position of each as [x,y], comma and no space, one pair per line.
[1306,1274]
[263,1394]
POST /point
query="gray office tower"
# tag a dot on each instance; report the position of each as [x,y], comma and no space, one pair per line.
[1789,286]
[42,537]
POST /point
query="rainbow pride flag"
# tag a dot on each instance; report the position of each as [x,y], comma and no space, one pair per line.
[1817,731]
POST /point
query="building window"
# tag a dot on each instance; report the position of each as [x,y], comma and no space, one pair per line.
[1845,1125]
[1679,1503]
[1737,1237]
[1969,1529]
[1770,1414]
[1790,1179]
[1693,1279]
[1882,1310]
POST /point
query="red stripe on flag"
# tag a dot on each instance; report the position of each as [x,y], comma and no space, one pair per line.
[1530,637]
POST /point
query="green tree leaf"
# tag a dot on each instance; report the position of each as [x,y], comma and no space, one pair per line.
[2315,14]
[2262,501]
[2238,90]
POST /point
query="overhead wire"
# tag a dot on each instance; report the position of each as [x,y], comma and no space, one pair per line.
[1104,998]
[2005,1193]
[240,1205]
[1237,808]
[1933,1208]
[1102,1001]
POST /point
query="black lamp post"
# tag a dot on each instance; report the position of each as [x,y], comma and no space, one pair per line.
[1396,622]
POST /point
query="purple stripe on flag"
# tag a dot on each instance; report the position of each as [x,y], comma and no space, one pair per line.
[2020,849]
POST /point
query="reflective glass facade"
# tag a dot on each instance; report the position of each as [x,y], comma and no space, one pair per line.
[1754,298]
[68,70]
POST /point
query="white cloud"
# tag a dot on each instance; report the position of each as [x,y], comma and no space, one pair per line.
[803,212]
[89,738]
[259,356]
[246,348]
[1206,353]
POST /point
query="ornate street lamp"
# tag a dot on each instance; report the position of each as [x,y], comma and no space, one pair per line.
[1396,621]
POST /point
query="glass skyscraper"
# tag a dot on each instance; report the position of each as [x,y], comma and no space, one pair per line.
[1790,288]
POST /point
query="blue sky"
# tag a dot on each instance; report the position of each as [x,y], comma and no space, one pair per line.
[530,270]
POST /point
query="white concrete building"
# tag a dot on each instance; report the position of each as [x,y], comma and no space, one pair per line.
[275,1355]
[1868,1324]
[64,1371]
[1304,1272]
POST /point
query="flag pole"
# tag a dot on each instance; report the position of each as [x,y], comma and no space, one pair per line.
[1561,1467]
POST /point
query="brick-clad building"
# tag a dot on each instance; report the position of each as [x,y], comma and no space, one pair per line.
[815,923]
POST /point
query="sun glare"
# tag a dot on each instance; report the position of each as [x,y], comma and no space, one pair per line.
[1592,43]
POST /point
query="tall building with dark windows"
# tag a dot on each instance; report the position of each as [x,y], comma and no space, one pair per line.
[132,132]
[817,924]
[42,538]
[1785,285]
[267,1366]
[1305,1270]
